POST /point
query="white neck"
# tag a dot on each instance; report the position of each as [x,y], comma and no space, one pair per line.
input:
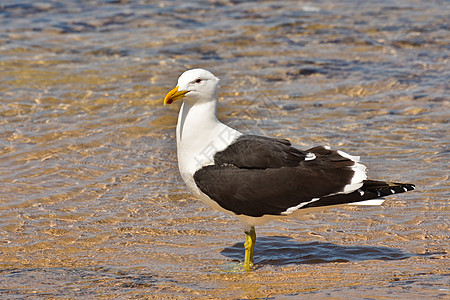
[194,119]
[200,135]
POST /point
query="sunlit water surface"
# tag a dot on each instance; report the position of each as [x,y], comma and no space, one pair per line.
[92,204]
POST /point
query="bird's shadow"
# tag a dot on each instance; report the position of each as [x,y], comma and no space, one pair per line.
[280,250]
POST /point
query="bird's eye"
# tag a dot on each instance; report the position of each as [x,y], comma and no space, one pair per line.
[198,80]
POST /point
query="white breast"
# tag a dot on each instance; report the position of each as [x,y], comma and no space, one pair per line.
[199,138]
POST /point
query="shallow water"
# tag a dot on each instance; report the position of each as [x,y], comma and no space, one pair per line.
[93,206]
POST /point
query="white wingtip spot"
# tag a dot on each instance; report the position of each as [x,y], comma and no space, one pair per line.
[310,156]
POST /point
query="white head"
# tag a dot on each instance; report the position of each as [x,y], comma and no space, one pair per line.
[196,86]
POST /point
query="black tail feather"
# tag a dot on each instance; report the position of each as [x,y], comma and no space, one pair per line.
[371,189]
[382,188]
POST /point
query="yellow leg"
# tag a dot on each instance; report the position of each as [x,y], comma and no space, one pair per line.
[250,238]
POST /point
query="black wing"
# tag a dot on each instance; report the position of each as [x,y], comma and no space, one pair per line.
[258,152]
[256,176]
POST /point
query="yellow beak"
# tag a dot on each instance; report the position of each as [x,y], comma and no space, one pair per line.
[174,95]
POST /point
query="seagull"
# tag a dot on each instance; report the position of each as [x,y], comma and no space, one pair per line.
[258,178]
